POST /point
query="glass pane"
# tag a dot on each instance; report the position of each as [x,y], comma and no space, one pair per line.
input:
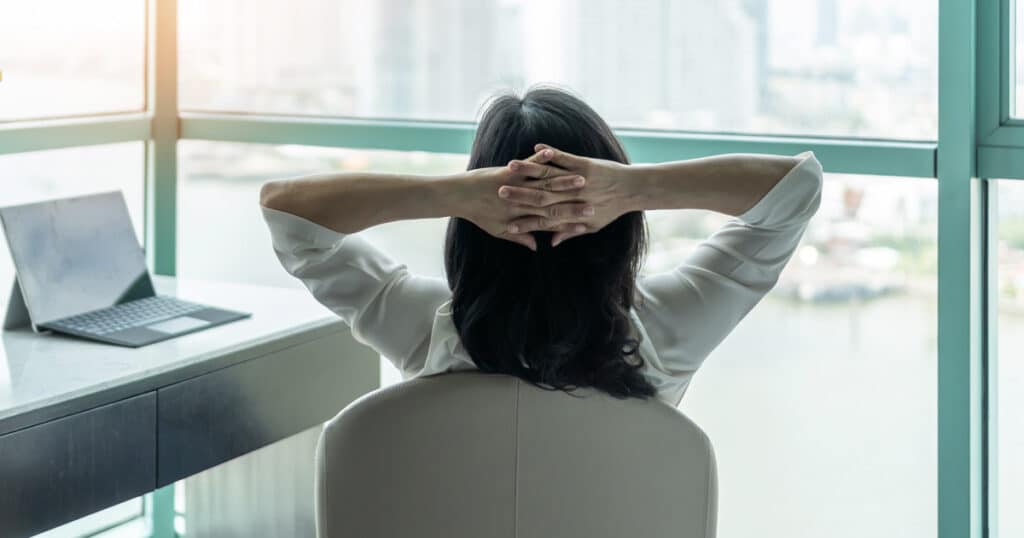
[826,67]
[68,57]
[30,177]
[830,430]
[224,179]
[1008,368]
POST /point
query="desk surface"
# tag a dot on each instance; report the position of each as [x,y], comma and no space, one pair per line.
[47,376]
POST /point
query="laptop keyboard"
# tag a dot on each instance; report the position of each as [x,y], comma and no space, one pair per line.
[127,315]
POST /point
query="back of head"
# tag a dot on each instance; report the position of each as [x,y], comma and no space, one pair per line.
[558,317]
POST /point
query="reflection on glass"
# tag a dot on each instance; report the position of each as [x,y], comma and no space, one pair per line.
[856,67]
[71,57]
[1008,379]
[822,399]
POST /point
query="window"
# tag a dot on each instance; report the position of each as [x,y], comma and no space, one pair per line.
[29,177]
[66,57]
[223,179]
[799,433]
[761,66]
[852,381]
[840,413]
[1007,465]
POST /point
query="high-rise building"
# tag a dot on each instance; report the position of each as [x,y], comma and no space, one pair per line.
[663,63]
[423,58]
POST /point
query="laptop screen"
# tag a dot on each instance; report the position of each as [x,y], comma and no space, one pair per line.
[74,255]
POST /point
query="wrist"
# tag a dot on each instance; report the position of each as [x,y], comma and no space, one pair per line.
[635,186]
[450,195]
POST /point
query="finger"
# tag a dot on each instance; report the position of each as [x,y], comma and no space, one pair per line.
[569,182]
[531,169]
[539,224]
[558,213]
[563,235]
[558,157]
[533,197]
[567,211]
[524,239]
[541,156]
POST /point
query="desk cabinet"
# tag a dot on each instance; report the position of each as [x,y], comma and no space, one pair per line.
[84,426]
[221,415]
[73,466]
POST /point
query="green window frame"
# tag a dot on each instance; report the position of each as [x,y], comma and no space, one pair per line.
[977,139]
[1000,136]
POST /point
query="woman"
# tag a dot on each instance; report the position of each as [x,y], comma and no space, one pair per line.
[544,243]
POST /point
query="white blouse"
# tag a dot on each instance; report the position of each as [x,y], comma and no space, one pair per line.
[680,317]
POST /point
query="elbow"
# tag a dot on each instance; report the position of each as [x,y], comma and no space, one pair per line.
[809,183]
[817,185]
[273,194]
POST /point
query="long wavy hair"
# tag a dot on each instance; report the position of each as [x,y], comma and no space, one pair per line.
[558,317]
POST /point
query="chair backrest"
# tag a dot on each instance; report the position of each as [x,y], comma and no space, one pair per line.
[489,456]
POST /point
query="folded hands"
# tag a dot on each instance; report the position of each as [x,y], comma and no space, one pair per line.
[552,191]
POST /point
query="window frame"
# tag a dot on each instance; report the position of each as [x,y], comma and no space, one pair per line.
[977,139]
[1000,135]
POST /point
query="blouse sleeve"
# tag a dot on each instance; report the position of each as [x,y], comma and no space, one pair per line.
[689,310]
[387,307]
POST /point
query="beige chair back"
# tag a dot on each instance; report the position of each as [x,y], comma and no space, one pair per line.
[489,456]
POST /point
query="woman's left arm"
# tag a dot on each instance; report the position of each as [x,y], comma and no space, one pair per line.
[351,202]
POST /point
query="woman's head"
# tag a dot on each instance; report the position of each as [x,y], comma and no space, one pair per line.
[558,317]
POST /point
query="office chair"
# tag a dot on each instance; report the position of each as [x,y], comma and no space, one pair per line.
[485,456]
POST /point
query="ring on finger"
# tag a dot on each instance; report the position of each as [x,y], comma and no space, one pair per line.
[546,170]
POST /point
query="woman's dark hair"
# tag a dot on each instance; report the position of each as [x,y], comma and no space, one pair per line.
[558,317]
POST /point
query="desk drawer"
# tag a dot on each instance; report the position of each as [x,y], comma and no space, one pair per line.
[71,467]
[218,416]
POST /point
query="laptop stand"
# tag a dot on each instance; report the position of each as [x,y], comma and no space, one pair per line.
[17,313]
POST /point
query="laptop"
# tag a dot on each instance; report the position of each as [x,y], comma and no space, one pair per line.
[82,272]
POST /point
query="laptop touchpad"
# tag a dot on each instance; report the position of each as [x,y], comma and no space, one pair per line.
[178,325]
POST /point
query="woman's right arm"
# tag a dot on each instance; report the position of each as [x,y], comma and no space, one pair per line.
[728,184]
[689,310]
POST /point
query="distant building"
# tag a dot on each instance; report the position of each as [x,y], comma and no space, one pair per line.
[828,23]
[645,66]
[423,58]
[667,63]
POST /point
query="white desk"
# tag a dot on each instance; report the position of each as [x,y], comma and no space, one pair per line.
[85,425]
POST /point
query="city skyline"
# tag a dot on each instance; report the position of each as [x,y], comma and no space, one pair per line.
[736,65]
